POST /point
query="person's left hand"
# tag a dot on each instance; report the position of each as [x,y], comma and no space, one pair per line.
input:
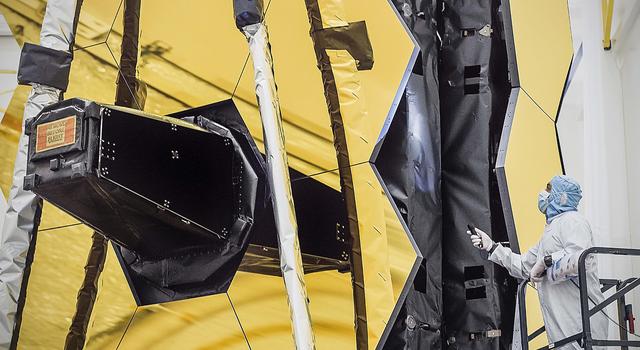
[535,275]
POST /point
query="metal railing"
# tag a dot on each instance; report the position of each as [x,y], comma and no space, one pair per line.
[585,338]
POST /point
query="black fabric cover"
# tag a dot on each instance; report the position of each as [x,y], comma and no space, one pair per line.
[322,227]
[354,38]
[247,12]
[409,163]
[473,99]
[42,65]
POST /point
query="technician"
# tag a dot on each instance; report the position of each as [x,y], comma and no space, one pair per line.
[566,233]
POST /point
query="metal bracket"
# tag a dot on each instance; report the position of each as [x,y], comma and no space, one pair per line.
[492,333]
[486,30]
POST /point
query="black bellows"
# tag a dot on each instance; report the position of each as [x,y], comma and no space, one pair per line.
[409,163]
[457,96]
[474,92]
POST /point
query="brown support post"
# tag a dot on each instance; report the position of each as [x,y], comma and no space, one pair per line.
[130,91]
[87,293]
[344,169]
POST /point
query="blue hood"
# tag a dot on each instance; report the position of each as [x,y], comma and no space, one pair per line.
[565,196]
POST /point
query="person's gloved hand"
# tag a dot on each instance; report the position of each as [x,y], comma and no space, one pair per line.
[480,239]
[535,275]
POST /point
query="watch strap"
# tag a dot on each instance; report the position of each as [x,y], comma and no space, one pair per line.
[548,261]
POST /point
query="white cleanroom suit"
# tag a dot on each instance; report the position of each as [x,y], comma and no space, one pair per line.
[566,233]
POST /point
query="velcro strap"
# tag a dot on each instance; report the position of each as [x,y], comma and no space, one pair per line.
[42,65]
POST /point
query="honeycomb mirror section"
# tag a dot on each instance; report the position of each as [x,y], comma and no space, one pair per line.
[542,52]
[114,307]
[57,265]
[532,158]
[260,291]
[199,323]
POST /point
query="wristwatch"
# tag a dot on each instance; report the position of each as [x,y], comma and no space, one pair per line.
[548,261]
[493,247]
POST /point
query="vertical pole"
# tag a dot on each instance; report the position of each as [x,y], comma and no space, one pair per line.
[607,17]
[22,215]
[87,293]
[584,302]
[344,169]
[622,318]
[130,92]
[522,315]
[248,16]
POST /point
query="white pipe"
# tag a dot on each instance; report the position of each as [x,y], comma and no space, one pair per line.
[56,33]
[281,196]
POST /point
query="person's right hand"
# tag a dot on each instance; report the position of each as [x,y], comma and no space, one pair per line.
[480,239]
[537,271]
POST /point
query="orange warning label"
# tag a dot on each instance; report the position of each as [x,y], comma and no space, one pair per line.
[56,134]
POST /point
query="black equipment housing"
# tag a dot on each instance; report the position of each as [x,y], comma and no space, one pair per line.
[178,198]
[154,185]
[182,197]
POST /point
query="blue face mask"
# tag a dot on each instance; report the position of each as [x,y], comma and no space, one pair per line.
[543,201]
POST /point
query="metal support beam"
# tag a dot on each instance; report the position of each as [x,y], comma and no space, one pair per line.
[615,296]
[607,17]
